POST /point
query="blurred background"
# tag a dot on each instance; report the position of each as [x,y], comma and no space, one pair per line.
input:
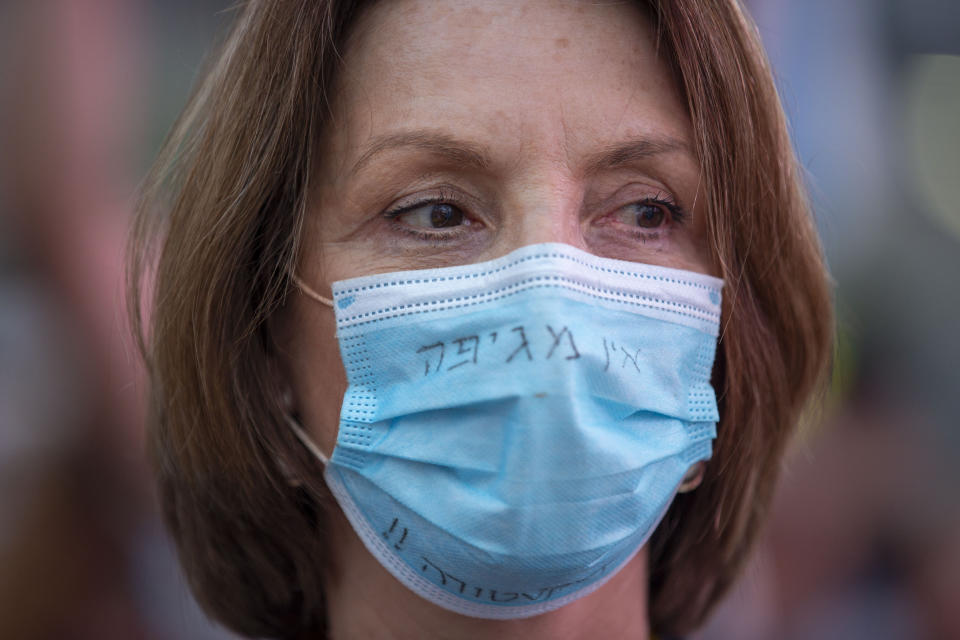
[864,538]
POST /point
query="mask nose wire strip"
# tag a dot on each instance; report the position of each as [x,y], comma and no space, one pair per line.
[310,293]
[305,439]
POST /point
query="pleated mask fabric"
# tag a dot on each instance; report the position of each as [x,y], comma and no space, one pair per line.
[514,430]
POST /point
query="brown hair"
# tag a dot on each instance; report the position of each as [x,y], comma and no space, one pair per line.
[224,206]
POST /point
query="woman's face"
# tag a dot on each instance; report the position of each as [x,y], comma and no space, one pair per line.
[464,129]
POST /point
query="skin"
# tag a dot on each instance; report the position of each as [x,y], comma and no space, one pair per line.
[542,121]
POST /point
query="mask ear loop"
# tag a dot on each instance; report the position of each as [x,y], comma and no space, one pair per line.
[294,425]
[310,293]
[305,439]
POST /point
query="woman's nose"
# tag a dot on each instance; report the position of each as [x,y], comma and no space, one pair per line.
[548,211]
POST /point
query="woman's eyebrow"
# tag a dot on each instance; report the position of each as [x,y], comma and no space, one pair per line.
[627,151]
[471,155]
[458,151]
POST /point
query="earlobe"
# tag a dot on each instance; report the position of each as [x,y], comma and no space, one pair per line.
[693,477]
[292,479]
[287,406]
[286,399]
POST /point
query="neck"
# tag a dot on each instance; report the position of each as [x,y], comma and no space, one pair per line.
[365,601]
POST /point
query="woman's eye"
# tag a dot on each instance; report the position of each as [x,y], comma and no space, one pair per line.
[649,214]
[433,215]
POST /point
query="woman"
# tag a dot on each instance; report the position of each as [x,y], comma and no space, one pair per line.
[501,421]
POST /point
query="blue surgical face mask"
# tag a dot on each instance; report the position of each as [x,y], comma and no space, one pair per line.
[514,430]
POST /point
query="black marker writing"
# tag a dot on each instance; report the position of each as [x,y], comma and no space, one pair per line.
[524,345]
[633,358]
[557,337]
[494,595]
[444,576]
[606,351]
[429,347]
[389,533]
[461,343]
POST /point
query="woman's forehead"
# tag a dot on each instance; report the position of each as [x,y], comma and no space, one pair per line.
[547,79]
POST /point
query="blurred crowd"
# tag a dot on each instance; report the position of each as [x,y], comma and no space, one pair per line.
[864,536]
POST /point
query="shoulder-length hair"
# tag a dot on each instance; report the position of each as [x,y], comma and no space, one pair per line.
[218,229]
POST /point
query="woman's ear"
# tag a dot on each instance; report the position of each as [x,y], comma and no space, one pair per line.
[288,408]
[693,477]
[286,398]
[293,480]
